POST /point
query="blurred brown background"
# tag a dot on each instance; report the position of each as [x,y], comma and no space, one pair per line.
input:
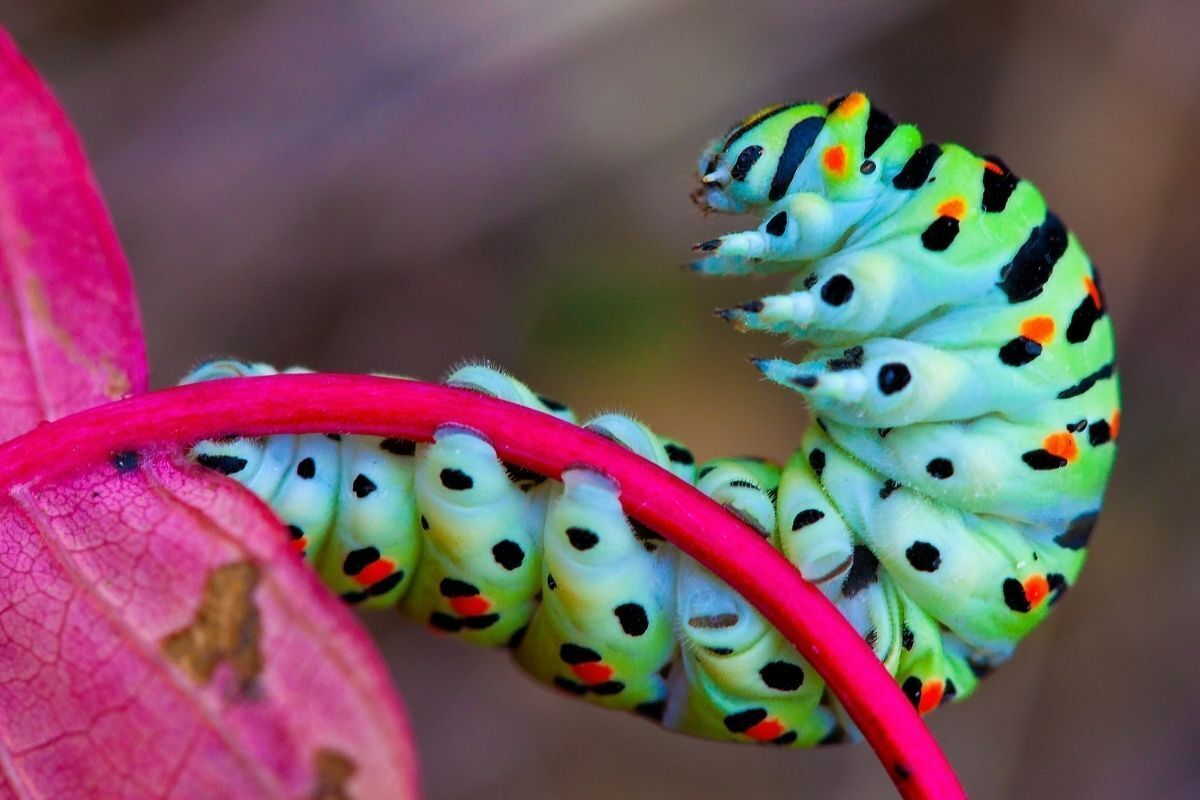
[397,186]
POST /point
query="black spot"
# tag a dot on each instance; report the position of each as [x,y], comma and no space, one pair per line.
[334,437]
[916,170]
[708,246]
[553,405]
[607,688]
[1043,459]
[1099,433]
[940,468]
[872,638]
[720,651]
[1077,534]
[570,686]
[679,455]
[867,167]
[785,738]
[1104,373]
[517,637]
[295,532]
[864,569]
[997,187]
[358,560]
[363,486]
[386,584]
[551,584]
[888,487]
[1058,586]
[633,618]
[1020,351]
[1076,427]
[906,637]
[837,290]
[753,306]
[950,691]
[923,556]
[782,676]
[851,358]
[879,128]
[777,224]
[452,587]
[508,554]
[306,469]
[940,234]
[575,654]
[354,598]
[456,480]
[398,447]
[810,281]
[883,432]
[127,461]
[1014,596]
[893,377]
[745,160]
[480,622]
[1085,316]
[1025,276]
[424,523]
[445,622]
[912,689]
[902,772]
[816,460]
[227,465]
[799,141]
[653,710]
[743,721]
[807,517]
[582,538]
[805,381]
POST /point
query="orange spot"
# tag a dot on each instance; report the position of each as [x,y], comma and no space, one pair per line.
[931,696]
[991,166]
[1061,444]
[300,544]
[1093,292]
[1114,427]
[1039,329]
[954,207]
[1036,589]
[593,672]
[471,606]
[851,105]
[375,571]
[835,159]
[766,730]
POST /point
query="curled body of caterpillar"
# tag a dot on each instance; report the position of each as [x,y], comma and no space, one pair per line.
[966,409]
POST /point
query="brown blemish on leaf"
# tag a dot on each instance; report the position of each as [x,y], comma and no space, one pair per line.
[226,628]
[333,771]
[116,382]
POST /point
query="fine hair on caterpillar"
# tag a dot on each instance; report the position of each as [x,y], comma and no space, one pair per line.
[965,405]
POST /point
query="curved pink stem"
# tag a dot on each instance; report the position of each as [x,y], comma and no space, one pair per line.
[413,410]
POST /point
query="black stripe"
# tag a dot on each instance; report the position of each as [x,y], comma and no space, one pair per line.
[940,234]
[879,128]
[998,188]
[745,160]
[1041,459]
[738,131]
[799,141]
[916,170]
[1085,316]
[1087,383]
[1024,277]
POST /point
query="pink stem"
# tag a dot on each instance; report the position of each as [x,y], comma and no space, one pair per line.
[330,403]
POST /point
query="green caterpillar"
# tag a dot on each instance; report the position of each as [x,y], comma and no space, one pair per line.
[966,408]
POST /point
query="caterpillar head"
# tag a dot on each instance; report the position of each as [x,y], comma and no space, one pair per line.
[741,171]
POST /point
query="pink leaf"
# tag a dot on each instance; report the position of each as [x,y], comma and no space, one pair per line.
[70,337]
[159,639]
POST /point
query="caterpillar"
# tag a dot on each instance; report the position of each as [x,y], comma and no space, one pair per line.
[965,402]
